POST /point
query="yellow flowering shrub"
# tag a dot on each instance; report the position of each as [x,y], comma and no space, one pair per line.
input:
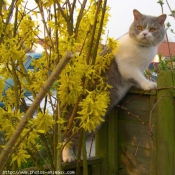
[80,93]
[93,107]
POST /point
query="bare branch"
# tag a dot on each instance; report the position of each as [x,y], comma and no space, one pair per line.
[80,15]
[44,22]
[93,31]
[99,32]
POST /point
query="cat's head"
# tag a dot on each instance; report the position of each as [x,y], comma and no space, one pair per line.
[147,30]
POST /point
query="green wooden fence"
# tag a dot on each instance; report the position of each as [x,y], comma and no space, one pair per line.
[138,137]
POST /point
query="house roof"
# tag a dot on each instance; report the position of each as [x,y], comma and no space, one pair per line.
[164,48]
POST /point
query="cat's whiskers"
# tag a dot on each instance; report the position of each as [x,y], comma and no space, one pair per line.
[138,42]
[152,42]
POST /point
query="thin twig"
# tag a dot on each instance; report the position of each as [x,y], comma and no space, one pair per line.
[93,31]
[44,22]
[99,32]
[137,148]
[79,18]
[173,15]
[157,104]
[171,62]
[71,119]
[132,114]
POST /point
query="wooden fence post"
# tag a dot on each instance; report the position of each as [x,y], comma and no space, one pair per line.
[107,145]
[113,143]
[101,147]
[165,121]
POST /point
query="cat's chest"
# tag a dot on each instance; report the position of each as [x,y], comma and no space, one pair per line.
[132,54]
[136,52]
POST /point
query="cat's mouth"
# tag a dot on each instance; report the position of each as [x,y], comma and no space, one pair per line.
[144,38]
[143,41]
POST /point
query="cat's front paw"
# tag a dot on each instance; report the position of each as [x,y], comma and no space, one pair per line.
[68,155]
[69,158]
[148,85]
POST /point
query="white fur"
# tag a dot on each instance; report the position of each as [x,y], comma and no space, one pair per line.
[132,60]
[68,154]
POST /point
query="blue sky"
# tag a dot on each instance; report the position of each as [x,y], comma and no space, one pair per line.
[122,14]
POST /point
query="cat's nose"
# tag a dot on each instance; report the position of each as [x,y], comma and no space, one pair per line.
[145,33]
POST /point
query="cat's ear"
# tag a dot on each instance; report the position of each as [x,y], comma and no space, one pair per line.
[161,19]
[137,15]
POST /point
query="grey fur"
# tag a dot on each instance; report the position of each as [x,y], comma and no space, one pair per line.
[134,82]
[149,21]
[114,79]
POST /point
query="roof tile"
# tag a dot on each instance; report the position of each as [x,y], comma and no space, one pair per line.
[163,49]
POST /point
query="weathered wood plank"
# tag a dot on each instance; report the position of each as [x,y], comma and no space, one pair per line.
[134,90]
[165,124]
[113,143]
[96,170]
[152,133]
[135,160]
[135,133]
[90,161]
[101,147]
[137,154]
[136,104]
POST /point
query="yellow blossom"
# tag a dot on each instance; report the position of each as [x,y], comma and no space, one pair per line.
[93,108]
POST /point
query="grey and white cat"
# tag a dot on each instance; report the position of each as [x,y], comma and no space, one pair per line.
[135,51]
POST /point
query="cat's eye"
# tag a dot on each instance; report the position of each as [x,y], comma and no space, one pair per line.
[152,29]
[139,28]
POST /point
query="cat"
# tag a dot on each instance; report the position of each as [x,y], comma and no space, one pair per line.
[136,50]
